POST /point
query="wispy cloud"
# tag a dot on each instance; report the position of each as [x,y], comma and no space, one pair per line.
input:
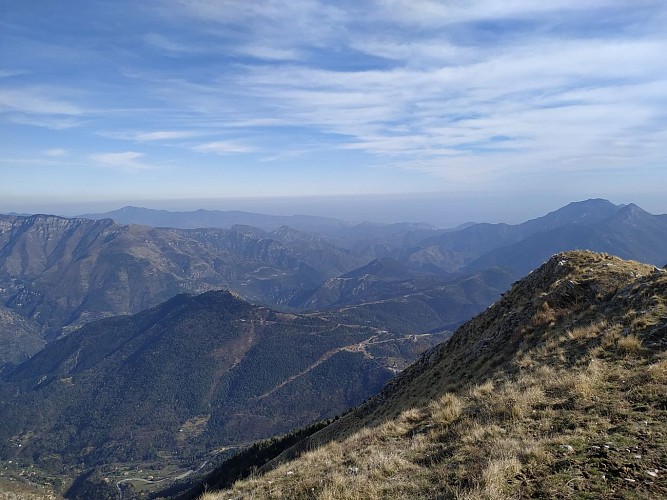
[42,121]
[271,53]
[157,135]
[169,45]
[129,160]
[55,153]
[166,135]
[223,148]
[6,73]
[35,101]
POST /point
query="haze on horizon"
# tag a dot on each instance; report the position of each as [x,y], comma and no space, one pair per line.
[499,111]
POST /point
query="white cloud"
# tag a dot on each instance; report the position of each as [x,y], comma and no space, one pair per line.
[164,43]
[34,101]
[439,12]
[223,148]
[271,53]
[125,160]
[6,73]
[280,25]
[55,153]
[165,135]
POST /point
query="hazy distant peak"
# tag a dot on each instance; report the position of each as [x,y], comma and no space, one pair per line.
[249,230]
[632,211]
[589,211]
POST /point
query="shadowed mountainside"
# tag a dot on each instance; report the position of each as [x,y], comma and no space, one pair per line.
[191,375]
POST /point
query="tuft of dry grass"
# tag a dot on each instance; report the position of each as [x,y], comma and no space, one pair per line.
[629,345]
[545,315]
[658,371]
[446,409]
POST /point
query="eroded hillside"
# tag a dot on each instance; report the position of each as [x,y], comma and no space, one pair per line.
[557,390]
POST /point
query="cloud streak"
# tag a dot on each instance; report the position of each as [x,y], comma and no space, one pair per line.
[223,148]
[127,160]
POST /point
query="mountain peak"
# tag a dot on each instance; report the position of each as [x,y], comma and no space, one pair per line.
[285,233]
[633,210]
[590,211]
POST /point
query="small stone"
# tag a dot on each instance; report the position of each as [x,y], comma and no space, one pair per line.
[652,473]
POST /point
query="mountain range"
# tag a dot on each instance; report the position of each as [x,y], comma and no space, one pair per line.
[59,274]
[342,233]
[127,347]
[595,224]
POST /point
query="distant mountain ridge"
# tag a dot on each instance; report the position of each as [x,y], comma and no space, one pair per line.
[341,233]
[221,219]
[61,273]
[628,232]
[596,225]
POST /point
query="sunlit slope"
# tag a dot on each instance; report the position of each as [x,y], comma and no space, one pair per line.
[558,390]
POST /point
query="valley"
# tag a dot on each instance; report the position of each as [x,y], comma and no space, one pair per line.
[137,360]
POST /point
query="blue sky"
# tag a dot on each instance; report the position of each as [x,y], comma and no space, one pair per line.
[106,103]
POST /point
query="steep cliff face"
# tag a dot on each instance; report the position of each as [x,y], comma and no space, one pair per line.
[557,390]
[19,337]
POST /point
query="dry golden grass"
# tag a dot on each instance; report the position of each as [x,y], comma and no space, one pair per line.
[445,410]
[629,345]
[573,406]
[658,371]
[14,490]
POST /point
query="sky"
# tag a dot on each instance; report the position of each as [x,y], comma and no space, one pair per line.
[515,106]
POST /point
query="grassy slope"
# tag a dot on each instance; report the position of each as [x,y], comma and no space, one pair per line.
[558,390]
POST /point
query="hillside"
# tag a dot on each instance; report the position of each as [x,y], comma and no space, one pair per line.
[408,304]
[188,377]
[59,274]
[19,337]
[557,390]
